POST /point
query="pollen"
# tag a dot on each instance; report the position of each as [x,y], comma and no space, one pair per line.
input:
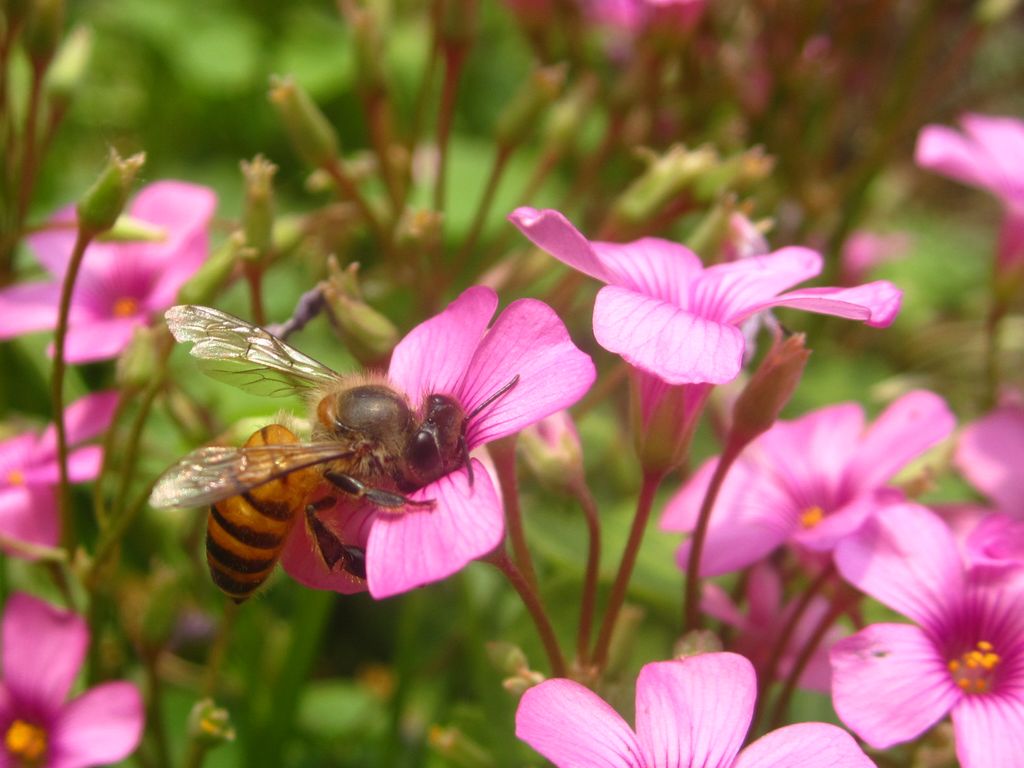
[974,670]
[126,306]
[812,516]
[26,743]
[15,477]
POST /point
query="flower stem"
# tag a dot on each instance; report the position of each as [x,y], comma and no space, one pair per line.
[454,58]
[254,276]
[691,600]
[500,560]
[586,501]
[82,241]
[195,751]
[644,503]
[503,452]
[348,190]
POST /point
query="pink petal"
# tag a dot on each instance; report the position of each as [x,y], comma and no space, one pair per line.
[30,307]
[15,453]
[907,559]
[997,542]
[172,271]
[301,561]
[29,514]
[434,356]
[989,731]
[99,339]
[658,337]
[52,247]
[889,683]
[736,543]
[694,711]
[43,649]
[177,206]
[842,522]
[530,341]
[654,267]
[83,465]
[1001,139]
[84,419]
[414,547]
[102,726]
[876,304]
[990,455]
[730,293]
[948,152]
[572,727]
[808,745]
[716,603]
[551,231]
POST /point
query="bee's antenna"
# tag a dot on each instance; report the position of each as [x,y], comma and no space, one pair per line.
[497,395]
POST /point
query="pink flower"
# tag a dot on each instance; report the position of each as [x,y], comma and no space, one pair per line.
[989,154]
[863,251]
[43,649]
[455,353]
[690,713]
[812,481]
[29,471]
[120,285]
[634,16]
[664,313]
[963,656]
[990,454]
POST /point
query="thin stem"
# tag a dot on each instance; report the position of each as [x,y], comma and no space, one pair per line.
[195,752]
[500,560]
[254,276]
[154,711]
[503,452]
[348,189]
[644,503]
[131,449]
[483,208]
[454,58]
[691,601]
[423,93]
[27,172]
[82,241]
[589,597]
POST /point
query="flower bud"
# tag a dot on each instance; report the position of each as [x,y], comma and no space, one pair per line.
[368,46]
[215,272]
[708,239]
[139,363]
[103,202]
[65,74]
[695,643]
[521,112]
[552,450]
[368,334]
[735,173]
[258,216]
[769,389]
[210,725]
[311,134]
[507,658]
[131,230]
[663,435]
[458,749]
[562,127]
[43,31]
[666,176]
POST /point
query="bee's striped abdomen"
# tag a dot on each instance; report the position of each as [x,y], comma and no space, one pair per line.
[245,534]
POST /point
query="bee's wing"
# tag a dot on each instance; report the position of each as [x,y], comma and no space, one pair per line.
[245,355]
[216,472]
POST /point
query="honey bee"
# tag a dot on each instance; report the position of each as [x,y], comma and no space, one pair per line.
[367,443]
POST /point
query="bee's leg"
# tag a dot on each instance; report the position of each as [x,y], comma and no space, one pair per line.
[332,549]
[381,498]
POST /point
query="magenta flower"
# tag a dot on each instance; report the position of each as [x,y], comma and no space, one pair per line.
[812,481]
[120,285]
[690,713]
[989,154]
[43,649]
[864,250]
[634,16]
[455,353]
[29,472]
[963,656]
[990,454]
[664,313]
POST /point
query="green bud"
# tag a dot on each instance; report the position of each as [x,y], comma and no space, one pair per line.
[210,725]
[367,334]
[65,75]
[418,229]
[458,749]
[369,45]
[666,176]
[43,31]
[769,389]
[990,12]
[562,127]
[663,439]
[521,113]
[507,658]
[713,230]
[214,274]
[552,451]
[624,635]
[139,363]
[695,643]
[103,202]
[131,230]
[311,134]
[738,172]
[258,216]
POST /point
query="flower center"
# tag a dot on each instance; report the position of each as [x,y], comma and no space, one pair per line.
[126,306]
[26,743]
[15,477]
[811,516]
[974,670]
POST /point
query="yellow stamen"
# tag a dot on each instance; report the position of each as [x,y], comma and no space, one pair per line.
[26,742]
[126,306]
[973,671]
[15,477]
[812,516]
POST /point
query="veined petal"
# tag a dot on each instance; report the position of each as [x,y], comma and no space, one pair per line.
[876,304]
[729,293]
[419,546]
[29,514]
[907,428]
[178,207]
[694,711]
[990,453]
[84,419]
[989,730]
[43,649]
[527,340]
[889,683]
[574,728]
[99,339]
[907,559]
[654,267]
[300,559]
[549,230]
[102,726]
[809,745]
[434,356]
[658,337]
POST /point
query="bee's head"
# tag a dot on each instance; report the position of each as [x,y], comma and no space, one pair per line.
[438,445]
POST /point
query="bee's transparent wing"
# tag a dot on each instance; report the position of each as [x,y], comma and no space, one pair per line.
[245,355]
[217,472]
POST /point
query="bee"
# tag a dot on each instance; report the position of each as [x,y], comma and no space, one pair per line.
[367,444]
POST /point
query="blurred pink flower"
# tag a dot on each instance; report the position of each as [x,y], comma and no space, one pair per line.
[989,154]
[963,656]
[690,713]
[120,285]
[455,353]
[811,481]
[29,471]
[863,251]
[43,649]
[635,16]
[990,454]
